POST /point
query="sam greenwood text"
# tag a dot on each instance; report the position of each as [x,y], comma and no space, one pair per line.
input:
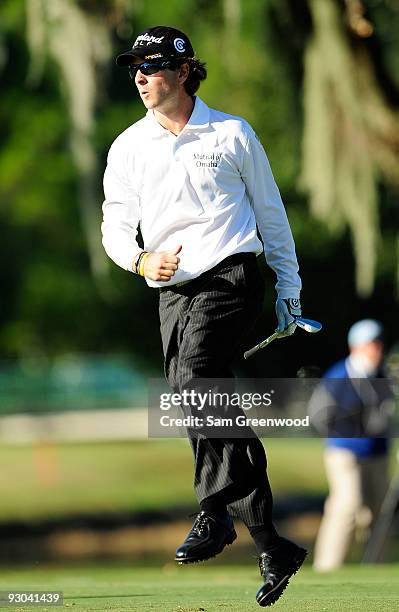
[239,421]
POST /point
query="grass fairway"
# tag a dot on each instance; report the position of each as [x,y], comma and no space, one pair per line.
[51,480]
[41,481]
[210,588]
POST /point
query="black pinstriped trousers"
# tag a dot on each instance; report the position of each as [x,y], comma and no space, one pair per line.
[203,324]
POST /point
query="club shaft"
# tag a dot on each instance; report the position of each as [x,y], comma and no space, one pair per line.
[306,324]
[259,346]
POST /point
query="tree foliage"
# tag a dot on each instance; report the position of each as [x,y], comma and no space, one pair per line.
[319,88]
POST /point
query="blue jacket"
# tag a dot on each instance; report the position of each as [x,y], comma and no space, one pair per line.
[348,400]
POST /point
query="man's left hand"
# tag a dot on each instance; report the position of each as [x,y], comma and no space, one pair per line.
[286,311]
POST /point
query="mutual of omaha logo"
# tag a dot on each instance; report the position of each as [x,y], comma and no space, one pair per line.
[207,160]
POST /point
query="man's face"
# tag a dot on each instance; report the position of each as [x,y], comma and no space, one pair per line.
[372,352]
[159,91]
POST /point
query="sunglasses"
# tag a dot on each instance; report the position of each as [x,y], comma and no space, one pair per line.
[149,68]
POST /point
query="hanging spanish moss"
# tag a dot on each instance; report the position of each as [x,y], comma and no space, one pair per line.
[232,22]
[351,136]
[79,42]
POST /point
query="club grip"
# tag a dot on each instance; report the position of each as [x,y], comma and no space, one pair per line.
[251,351]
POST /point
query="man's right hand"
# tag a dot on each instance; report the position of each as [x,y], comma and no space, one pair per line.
[162,266]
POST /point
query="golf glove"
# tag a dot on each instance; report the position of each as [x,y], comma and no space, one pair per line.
[286,311]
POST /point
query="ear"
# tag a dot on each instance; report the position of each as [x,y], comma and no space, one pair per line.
[183,73]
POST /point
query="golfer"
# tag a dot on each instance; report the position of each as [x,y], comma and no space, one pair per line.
[198,183]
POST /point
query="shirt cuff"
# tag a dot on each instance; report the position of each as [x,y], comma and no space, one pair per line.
[130,260]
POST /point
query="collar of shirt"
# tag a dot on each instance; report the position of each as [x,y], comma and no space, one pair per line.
[199,120]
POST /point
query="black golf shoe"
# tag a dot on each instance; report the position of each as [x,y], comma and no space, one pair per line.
[276,567]
[207,538]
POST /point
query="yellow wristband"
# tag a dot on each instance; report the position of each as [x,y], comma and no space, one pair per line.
[142,262]
[135,262]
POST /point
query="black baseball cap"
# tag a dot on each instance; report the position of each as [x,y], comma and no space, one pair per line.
[157,42]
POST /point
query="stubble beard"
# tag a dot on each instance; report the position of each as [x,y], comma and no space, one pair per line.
[162,100]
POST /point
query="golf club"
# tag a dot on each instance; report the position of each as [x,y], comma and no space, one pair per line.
[308,325]
[312,327]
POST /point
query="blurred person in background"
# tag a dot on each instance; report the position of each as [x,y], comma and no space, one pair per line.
[200,185]
[354,401]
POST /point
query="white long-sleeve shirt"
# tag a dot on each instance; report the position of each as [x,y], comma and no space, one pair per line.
[208,189]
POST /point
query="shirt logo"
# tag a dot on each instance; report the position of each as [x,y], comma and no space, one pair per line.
[179,45]
[207,160]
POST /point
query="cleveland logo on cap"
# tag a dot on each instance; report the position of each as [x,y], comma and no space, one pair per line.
[179,44]
[167,41]
[147,39]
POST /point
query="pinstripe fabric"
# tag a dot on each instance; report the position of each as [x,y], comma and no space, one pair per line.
[203,324]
